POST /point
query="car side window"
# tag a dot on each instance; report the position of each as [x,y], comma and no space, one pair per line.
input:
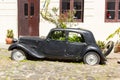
[58,35]
[75,37]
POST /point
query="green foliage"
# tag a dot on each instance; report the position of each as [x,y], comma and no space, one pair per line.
[117,32]
[101,44]
[58,35]
[59,21]
[10,33]
[75,38]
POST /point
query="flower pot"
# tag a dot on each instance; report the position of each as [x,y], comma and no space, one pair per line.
[116,49]
[9,40]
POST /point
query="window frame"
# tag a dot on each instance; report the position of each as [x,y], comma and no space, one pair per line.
[116,12]
[71,9]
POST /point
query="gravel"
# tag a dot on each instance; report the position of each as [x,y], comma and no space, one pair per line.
[56,70]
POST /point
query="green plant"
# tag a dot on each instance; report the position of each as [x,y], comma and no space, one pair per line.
[10,33]
[117,32]
[75,38]
[61,20]
[117,44]
[101,44]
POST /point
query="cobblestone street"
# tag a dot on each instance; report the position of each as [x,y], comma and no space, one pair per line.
[55,70]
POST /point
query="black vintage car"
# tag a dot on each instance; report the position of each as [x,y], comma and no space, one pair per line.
[71,44]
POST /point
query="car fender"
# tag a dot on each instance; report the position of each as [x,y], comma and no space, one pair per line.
[26,49]
[95,49]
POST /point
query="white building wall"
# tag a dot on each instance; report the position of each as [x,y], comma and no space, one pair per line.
[45,26]
[8,18]
[94,19]
[94,12]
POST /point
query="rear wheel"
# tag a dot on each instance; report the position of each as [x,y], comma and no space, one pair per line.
[91,58]
[18,55]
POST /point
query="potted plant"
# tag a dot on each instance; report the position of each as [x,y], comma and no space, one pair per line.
[101,44]
[9,36]
[117,44]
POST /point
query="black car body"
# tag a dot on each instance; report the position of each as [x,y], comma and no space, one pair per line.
[59,44]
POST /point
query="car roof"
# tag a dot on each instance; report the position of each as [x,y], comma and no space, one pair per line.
[73,29]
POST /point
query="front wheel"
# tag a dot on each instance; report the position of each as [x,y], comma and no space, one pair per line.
[18,55]
[91,58]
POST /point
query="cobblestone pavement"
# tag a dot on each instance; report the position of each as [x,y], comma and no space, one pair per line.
[55,70]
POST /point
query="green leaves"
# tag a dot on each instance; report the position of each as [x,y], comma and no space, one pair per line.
[74,38]
[101,44]
[117,32]
[53,17]
[10,33]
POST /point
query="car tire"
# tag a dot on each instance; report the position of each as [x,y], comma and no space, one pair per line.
[18,55]
[108,48]
[91,58]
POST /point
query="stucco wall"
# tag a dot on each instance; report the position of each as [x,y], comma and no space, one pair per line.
[8,18]
[94,12]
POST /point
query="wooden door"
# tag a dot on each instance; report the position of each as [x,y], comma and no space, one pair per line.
[28,17]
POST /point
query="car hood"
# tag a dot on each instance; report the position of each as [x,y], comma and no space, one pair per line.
[30,39]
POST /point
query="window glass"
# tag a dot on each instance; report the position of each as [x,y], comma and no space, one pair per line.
[77,8]
[119,15]
[119,4]
[77,15]
[72,10]
[111,15]
[32,9]
[111,5]
[58,35]
[26,9]
[110,9]
[75,37]
[77,4]
[119,11]
[65,6]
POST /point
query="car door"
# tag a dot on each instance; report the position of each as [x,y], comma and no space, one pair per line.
[55,45]
[75,45]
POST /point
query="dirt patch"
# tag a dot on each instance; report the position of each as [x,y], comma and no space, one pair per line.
[55,70]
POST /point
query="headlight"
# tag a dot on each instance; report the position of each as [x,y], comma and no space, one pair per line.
[14,40]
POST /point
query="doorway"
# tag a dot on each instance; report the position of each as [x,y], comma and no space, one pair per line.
[28,17]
